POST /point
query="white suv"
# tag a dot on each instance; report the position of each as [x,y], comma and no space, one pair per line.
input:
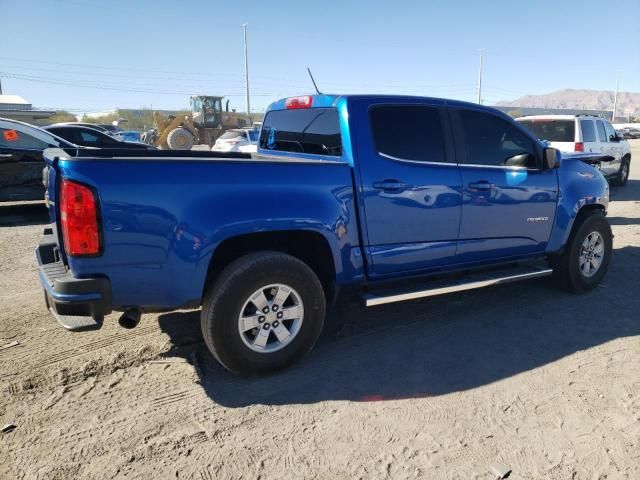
[584,133]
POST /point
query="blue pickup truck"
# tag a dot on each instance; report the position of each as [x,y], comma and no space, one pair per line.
[389,197]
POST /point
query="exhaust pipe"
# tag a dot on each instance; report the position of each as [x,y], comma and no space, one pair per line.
[130,318]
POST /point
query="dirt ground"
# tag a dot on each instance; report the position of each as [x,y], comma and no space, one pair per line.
[523,375]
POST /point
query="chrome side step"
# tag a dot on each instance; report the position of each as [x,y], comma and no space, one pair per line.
[442,287]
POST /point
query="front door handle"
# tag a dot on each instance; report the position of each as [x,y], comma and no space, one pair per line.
[483,185]
[390,185]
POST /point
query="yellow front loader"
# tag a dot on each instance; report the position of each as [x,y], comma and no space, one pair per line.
[202,126]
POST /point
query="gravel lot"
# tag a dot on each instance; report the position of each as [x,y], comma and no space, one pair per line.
[438,388]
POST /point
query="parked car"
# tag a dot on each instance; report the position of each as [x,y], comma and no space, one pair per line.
[128,136]
[90,137]
[630,133]
[237,140]
[81,124]
[21,160]
[112,129]
[372,194]
[584,133]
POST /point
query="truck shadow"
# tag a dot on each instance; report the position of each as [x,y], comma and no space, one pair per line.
[20,214]
[430,347]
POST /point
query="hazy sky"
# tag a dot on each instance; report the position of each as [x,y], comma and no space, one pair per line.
[92,55]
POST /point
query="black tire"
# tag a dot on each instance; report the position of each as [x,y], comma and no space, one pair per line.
[226,297]
[180,139]
[566,267]
[623,172]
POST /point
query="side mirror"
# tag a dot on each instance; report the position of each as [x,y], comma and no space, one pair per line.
[551,158]
[614,138]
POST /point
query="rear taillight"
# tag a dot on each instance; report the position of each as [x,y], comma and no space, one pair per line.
[306,101]
[79,219]
[579,147]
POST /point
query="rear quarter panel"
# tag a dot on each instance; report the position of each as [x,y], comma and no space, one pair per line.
[163,219]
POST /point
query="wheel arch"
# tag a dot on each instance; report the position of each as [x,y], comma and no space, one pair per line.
[309,246]
[574,223]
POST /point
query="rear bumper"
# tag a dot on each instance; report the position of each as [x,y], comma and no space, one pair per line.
[77,303]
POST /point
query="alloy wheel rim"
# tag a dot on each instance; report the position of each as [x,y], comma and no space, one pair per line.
[591,254]
[271,318]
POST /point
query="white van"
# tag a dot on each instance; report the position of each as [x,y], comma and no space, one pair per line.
[584,133]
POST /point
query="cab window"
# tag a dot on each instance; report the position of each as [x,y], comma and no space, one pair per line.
[408,132]
[493,141]
[313,130]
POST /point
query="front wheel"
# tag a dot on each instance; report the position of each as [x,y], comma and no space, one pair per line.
[586,257]
[180,139]
[623,173]
[264,312]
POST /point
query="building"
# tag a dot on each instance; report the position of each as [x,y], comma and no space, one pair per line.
[15,107]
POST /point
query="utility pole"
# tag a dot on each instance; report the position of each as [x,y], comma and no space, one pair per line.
[615,98]
[480,77]
[246,68]
[0,85]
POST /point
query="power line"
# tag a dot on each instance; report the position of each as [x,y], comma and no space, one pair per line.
[206,76]
[114,87]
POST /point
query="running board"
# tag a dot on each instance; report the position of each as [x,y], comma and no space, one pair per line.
[442,287]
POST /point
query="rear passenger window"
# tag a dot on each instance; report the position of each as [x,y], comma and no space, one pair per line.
[490,140]
[601,133]
[588,131]
[310,130]
[14,139]
[408,132]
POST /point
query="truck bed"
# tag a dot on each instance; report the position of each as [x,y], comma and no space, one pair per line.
[163,213]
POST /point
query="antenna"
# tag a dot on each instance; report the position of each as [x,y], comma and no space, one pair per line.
[314,82]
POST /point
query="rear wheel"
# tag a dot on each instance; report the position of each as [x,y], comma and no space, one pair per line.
[264,312]
[586,257]
[180,139]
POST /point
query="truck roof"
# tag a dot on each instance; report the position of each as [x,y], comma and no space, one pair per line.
[549,117]
[331,100]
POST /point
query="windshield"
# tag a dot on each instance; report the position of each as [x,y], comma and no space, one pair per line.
[551,130]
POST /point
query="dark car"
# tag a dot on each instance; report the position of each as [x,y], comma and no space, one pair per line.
[112,129]
[81,124]
[630,133]
[21,161]
[90,137]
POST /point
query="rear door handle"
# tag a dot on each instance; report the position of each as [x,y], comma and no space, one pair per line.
[390,185]
[483,185]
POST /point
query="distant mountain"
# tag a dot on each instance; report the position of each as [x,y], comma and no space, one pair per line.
[628,102]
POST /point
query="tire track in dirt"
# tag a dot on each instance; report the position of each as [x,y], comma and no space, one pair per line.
[96,345]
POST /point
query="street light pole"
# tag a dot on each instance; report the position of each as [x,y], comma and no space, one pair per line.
[480,77]
[246,69]
[615,98]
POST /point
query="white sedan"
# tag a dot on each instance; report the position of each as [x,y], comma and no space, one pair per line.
[238,140]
